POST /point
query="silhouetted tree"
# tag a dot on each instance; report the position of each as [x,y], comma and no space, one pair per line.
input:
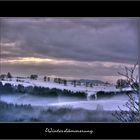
[79,83]
[65,82]
[20,88]
[9,76]
[91,85]
[1,87]
[74,83]
[131,78]
[45,78]
[121,83]
[132,115]
[3,76]
[48,79]
[87,83]
[34,76]
[8,88]
[58,80]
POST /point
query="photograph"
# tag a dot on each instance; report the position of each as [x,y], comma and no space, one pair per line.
[69,69]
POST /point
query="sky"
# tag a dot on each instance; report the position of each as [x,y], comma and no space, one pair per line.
[77,48]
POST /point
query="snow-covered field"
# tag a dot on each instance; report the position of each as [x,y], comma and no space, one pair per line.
[51,84]
[106,104]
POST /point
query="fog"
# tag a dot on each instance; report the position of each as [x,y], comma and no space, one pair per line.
[75,102]
[36,100]
[58,109]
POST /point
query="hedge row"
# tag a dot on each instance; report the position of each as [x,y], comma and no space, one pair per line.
[103,94]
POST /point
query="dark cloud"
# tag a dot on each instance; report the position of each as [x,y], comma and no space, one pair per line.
[77,39]
[68,39]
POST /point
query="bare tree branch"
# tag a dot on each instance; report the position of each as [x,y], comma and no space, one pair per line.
[132,115]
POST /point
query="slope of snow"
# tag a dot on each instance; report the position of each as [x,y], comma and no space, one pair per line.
[107,104]
[88,90]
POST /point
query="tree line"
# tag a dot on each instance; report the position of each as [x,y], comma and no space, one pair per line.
[121,83]
[41,91]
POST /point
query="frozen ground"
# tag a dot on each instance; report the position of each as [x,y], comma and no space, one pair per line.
[61,109]
[51,84]
[105,104]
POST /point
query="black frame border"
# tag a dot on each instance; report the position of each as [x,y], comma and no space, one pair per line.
[69,9]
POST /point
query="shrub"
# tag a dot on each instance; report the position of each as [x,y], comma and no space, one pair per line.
[34,76]
[103,94]
[29,89]
[8,88]
[20,88]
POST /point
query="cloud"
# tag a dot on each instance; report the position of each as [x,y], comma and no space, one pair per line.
[76,69]
[85,40]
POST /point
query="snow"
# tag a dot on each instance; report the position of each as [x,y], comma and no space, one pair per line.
[89,90]
[105,104]
[108,104]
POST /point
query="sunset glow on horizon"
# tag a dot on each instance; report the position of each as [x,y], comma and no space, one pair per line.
[27,60]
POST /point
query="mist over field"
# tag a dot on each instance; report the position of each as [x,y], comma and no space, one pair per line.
[43,112]
[58,109]
[108,104]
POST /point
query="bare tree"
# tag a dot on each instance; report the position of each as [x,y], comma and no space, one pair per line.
[130,77]
[132,113]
